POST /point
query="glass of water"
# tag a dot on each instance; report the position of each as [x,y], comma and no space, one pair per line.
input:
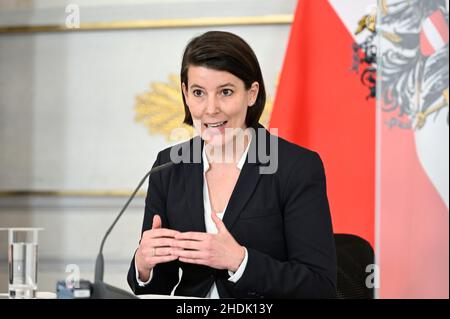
[22,262]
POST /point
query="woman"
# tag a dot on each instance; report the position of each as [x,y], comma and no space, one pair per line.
[235,230]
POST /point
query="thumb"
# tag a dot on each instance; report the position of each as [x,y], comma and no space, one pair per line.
[221,228]
[156,222]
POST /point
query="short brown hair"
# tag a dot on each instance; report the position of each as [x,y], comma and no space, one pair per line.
[225,51]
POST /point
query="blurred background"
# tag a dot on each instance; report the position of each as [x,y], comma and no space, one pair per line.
[74,140]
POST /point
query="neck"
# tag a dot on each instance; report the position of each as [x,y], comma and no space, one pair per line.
[227,154]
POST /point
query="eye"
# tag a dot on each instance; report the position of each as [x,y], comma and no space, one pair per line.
[227,92]
[197,93]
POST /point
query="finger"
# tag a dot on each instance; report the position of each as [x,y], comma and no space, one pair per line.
[192,236]
[161,232]
[160,260]
[188,244]
[221,228]
[156,222]
[160,242]
[163,251]
[156,252]
[192,254]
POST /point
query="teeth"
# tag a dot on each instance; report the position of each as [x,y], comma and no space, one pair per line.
[216,124]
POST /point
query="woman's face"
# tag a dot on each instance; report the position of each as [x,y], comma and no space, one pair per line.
[218,103]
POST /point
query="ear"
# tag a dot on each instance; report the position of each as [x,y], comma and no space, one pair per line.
[253,94]
[185,91]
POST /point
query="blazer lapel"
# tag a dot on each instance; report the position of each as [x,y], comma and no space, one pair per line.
[248,179]
[245,186]
[193,186]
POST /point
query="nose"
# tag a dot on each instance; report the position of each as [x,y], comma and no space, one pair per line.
[212,105]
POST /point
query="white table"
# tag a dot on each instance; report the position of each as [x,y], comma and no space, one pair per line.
[39,295]
[52,295]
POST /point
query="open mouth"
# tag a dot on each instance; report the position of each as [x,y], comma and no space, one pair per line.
[216,125]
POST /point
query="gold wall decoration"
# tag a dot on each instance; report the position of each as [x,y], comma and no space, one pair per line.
[161,110]
[69,193]
[279,19]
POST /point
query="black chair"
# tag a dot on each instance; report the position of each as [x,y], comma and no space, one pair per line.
[354,254]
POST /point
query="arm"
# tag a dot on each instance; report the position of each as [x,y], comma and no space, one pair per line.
[164,275]
[310,269]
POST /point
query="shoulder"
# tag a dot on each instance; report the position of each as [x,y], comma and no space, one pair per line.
[299,168]
[162,179]
[293,152]
[182,152]
[293,157]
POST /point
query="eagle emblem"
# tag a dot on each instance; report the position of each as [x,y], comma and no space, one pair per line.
[414,68]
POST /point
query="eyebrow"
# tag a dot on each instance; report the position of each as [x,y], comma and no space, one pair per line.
[196,86]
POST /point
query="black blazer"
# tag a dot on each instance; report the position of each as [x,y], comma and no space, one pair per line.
[283,220]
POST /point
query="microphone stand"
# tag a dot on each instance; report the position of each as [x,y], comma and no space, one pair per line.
[102,290]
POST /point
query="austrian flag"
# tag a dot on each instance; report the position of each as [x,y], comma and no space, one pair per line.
[434,33]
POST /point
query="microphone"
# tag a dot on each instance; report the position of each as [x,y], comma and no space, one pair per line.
[102,290]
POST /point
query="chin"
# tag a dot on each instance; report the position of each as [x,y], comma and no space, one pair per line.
[224,138]
[217,140]
[220,140]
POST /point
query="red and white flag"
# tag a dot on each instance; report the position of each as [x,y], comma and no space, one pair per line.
[413,152]
[392,159]
[321,104]
[434,33]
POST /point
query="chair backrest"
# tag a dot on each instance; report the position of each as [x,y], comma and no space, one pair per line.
[354,254]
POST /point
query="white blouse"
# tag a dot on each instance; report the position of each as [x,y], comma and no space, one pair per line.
[210,228]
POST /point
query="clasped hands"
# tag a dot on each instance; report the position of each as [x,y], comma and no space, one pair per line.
[161,245]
